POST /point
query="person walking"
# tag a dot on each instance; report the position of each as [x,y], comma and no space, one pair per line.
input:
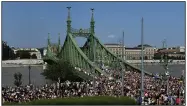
[178,101]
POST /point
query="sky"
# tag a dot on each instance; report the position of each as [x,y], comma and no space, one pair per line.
[27,24]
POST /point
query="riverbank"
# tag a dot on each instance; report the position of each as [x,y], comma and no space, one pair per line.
[179,63]
[24,62]
[38,79]
[19,65]
[40,62]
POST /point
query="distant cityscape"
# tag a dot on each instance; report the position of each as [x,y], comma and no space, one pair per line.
[150,52]
[131,53]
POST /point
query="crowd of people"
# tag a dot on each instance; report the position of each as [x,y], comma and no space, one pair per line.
[155,90]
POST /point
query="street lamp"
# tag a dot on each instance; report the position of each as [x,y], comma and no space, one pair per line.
[142,63]
[94,61]
[29,74]
[123,68]
[164,62]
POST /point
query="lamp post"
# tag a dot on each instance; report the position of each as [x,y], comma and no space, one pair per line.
[142,63]
[94,55]
[29,74]
[164,63]
[123,68]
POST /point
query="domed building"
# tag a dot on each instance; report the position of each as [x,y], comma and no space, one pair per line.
[145,45]
[149,51]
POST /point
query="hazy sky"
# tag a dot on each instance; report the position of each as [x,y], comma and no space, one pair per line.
[26,24]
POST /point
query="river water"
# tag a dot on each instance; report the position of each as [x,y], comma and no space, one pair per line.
[37,79]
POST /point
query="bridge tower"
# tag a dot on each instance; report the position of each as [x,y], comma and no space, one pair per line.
[85,58]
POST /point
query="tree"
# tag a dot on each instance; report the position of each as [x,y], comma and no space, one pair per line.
[172,57]
[171,60]
[34,56]
[18,78]
[61,69]
[7,51]
[145,57]
[157,56]
[23,54]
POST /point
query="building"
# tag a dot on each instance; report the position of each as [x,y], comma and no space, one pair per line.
[115,48]
[149,51]
[32,51]
[37,53]
[54,48]
[173,52]
[44,51]
[179,49]
[132,53]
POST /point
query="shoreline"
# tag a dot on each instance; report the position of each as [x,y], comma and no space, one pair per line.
[19,65]
[39,62]
[135,64]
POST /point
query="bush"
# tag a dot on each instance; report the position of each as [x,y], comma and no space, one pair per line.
[97,100]
[7,51]
[18,78]
[23,54]
[63,70]
[34,56]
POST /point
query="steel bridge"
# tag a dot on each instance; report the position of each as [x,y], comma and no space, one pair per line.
[85,59]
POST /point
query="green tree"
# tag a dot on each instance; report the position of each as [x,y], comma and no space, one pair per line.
[7,51]
[34,56]
[63,70]
[157,56]
[23,54]
[18,78]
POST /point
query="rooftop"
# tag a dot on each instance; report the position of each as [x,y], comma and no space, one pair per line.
[145,45]
[111,44]
[133,48]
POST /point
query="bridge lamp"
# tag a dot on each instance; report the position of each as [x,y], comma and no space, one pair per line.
[29,74]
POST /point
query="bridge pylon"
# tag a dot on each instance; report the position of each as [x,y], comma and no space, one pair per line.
[89,58]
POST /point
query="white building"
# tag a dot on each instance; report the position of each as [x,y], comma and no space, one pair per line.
[44,51]
[133,53]
[31,51]
[181,48]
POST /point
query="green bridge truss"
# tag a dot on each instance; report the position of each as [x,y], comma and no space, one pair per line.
[84,59]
